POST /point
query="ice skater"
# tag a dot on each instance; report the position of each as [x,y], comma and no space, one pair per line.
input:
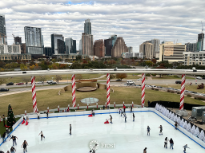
[176,124]
[4,137]
[148,130]
[145,150]
[42,136]
[110,119]
[130,108]
[14,139]
[12,149]
[121,113]
[171,143]
[160,132]
[93,113]
[47,114]
[165,142]
[24,145]
[186,146]
[125,117]
[70,129]
[133,117]
[119,110]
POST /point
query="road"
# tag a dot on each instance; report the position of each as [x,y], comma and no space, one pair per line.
[22,88]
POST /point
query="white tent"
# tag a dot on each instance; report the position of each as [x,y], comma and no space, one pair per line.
[156,106]
[178,120]
[185,125]
[189,127]
[201,135]
[172,117]
[175,118]
[182,122]
[193,129]
[196,133]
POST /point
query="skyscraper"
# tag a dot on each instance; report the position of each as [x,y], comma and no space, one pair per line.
[54,45]
[147,50]
[200,43]
[3,39]
[99,48]
[87,44]
[61,46]
[156,43]
[119,48]
[108,46]
[33,40]
[87,27]
[191,47]
[70,46]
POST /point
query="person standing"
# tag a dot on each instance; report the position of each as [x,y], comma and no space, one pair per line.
[160,132]
[24,145]
[133,117]
[70,129]
[12,150]
[171,143]
[47,114]
[125,118]
[148,130]
[165,142]
[186,146]
[130,108]
[110,119]
[124,108]
[4,120]
[42,136]
[145,150]
[14,139]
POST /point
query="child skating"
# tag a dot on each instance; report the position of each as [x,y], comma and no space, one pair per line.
[24,145]
[70,129]
[186,146]
[14,140]
[148,130]
[110,119]
[165,142]
[160,132]
[133,117]
[42,136]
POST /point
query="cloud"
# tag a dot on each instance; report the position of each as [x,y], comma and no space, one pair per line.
[135,21]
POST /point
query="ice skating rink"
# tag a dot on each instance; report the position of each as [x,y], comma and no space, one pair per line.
[130,137]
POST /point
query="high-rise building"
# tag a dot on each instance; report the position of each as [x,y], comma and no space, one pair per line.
[3,39]
[147,50]
[80,47]
[108,47]
[10,49]
[23,48]
[87,27]
[54,45]
[114,38]
[130,49]
[119,48]
[33,40]
[156,43]
[87,44]
[48,51]
[99,48]
[70,46]
[171,52]
[200,43]
[61,46]
[17,40]
[191,47]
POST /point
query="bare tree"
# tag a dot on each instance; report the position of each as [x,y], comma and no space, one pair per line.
[43,78]
[58,78]
[26,80]
[2,80]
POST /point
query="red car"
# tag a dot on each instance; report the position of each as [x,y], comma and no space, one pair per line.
[20,83]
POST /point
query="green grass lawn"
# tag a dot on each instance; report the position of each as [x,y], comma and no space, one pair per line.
[23,101]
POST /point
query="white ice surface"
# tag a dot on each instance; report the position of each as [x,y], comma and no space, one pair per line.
[130,137]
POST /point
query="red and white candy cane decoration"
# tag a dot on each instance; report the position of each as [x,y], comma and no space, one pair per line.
[73,90]
[34,94]
[108,89]
[143,90]
[182,92]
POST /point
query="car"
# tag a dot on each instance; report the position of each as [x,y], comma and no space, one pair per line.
[118,80]
[153,86]
[130,82]
[198,78]
[20,83]
[40,82]
[178,82]
[148,86]
[49,81]
[3,90]
[10,83]
[52,83]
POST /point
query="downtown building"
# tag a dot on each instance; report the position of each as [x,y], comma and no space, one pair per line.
[191,47]
[147,50]
[194,58]
[70,45]
[3,37]
[99,48]
[57,40]
[119,48]
[200,43]
[33,40]
[171,52]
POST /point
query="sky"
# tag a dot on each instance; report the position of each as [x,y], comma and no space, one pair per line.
[134,20]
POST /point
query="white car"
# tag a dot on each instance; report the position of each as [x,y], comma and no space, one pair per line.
[153,86]
[199,78]
[40,82]
[130,82]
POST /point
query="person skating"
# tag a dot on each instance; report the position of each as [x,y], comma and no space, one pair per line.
[47,114]
[186,146]
[176,124]
[70,129]
[124,108]
[130,108]
[121,113]
[171,143]
[145,150]
[12,150]
[24,145]
[93,112]
[160,132]
[110,119]
[148,130]
[165,142]
[42,136]
[133,117]
[14,139]
[4,137]
[119,110]
[125,118]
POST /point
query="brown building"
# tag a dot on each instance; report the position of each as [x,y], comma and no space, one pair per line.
[99,48]
[87,44]
[23,48]
[147,50]
[119,48]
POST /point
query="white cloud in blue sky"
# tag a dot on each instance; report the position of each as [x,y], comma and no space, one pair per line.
[134,20]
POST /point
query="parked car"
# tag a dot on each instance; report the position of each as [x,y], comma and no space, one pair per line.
[148,86]
[52,83]
[198,78]
[178,82]
[20,83]
[49,81]
[40,82]
[10,83]
[3,89]
[153,86]
[118,80]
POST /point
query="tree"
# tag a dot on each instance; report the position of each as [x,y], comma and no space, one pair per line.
[10,118]
[58,78]
[79,57]
[78,77]
[121,75]
[148,63]
[43,78]
[112,76]
[26,80]
[23,67]
[2,80]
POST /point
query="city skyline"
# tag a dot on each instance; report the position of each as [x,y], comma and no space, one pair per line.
[135,21]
